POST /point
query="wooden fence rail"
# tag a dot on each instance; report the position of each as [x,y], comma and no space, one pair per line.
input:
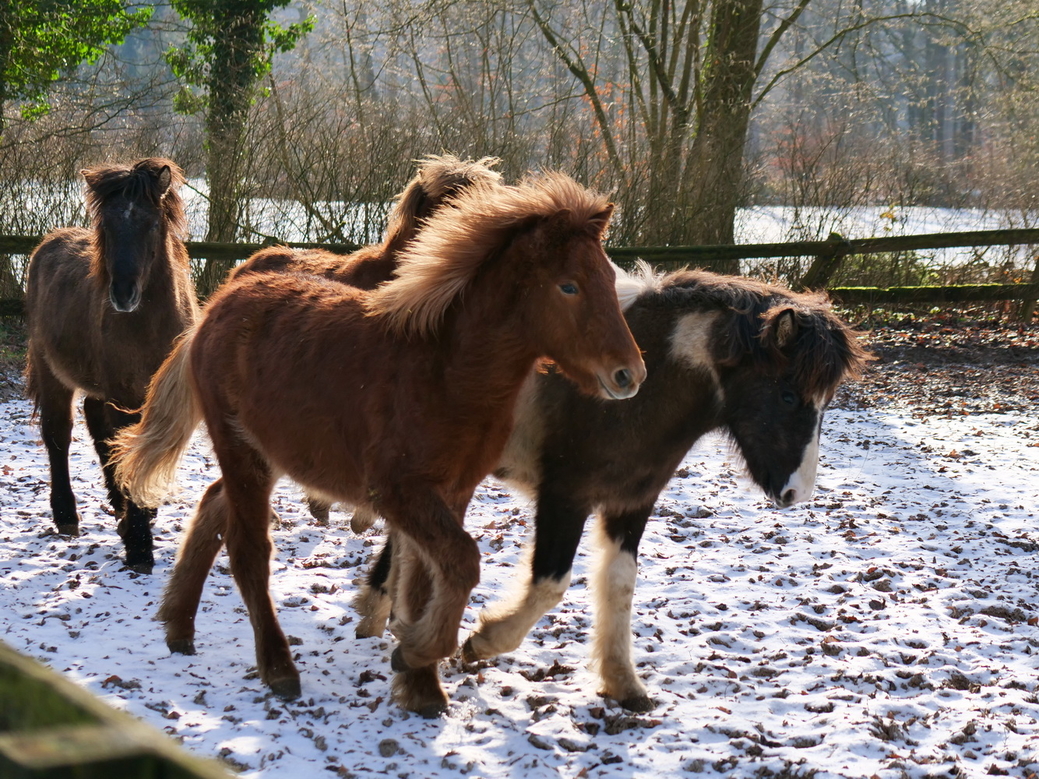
[827,256]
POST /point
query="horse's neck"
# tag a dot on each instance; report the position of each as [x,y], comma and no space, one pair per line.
[490,352]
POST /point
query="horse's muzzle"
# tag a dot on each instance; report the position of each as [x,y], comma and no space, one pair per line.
[125,297]
[622,384]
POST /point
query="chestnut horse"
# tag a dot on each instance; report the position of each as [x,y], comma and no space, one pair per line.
[756,361]
[103,306]
[400,396]
[439,178]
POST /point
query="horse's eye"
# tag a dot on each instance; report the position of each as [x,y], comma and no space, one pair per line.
[568,289]
[789,398]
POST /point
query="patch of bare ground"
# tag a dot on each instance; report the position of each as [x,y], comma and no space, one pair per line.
[951,364]
[12,357]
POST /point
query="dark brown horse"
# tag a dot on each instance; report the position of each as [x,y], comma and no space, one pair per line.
[723,353]
[104,306]
[439,178]
[401,397]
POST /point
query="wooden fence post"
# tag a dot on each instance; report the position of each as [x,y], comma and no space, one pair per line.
[826,262]
[1025,312]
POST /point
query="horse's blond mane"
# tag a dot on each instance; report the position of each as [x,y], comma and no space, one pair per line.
[438,178]
[446,254]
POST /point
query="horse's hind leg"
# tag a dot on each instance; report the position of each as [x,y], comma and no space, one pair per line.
[198,550]
[319,509]
[503,625]
[105,420]
[373,600]
[54,401]
[614,588]
[247,485]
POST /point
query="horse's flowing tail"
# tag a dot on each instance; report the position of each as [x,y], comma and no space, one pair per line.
[146,454]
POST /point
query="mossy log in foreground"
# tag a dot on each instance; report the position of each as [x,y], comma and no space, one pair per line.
[52,729]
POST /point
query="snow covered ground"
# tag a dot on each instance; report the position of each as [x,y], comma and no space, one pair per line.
[885,628]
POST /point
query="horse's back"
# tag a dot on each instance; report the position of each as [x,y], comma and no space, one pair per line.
[269,353]
[58,307]
[271,258]
[365,269]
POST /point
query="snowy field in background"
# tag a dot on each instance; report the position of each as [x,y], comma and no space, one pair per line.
[887,627]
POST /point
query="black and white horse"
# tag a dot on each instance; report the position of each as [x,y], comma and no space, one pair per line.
[756,361]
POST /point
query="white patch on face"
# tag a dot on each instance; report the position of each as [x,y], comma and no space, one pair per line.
[801,483]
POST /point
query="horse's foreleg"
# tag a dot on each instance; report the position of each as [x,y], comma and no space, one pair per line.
[373,601]
[416,685]
[614,588]
[105,420]
[54,401]
[198,550]
[101,431]
[437,565]
[503,625]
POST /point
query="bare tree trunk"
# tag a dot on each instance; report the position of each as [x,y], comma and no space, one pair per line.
[713,179]
[232,79]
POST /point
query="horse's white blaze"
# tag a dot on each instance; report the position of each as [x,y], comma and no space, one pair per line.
[801,483]
[611,645]
[505,624]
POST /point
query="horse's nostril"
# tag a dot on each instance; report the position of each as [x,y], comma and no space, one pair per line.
[622,378]
[789,497]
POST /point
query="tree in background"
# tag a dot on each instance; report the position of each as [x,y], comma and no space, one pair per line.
[228,52]
[42,39]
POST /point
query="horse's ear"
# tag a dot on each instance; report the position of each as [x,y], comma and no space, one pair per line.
[784,328]
[165,179]
[600,220]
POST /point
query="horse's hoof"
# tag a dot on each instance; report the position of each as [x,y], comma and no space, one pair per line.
[181,646]
[318,510]
[366,630]
[140,562]
[397,661]
[469,653]
[362,519]
[419,691]
[640,704]
[287,688]
[432,710]
[71,529]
